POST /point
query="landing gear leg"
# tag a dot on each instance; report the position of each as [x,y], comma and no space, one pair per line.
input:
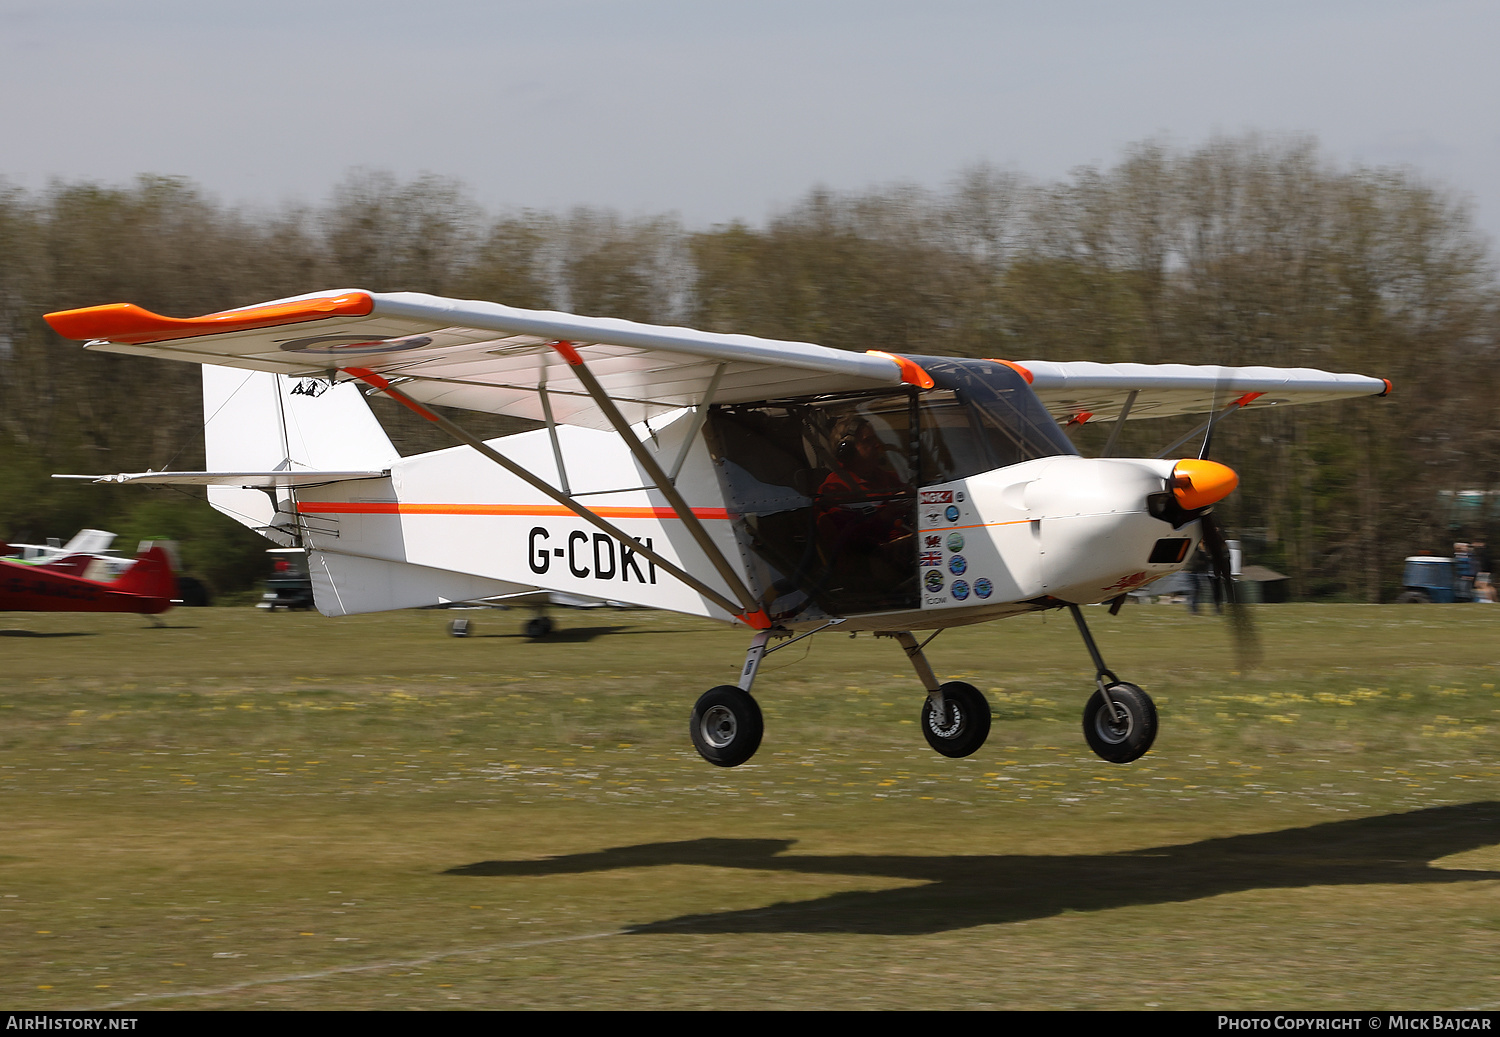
[1119,720]
[956,716]
[726,726]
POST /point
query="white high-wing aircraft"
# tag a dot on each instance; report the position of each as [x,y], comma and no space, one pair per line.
[783,485]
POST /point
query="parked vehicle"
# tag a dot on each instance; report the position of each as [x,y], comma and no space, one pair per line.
[289,585]
[1428,578]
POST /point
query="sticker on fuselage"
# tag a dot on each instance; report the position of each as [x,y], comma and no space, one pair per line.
[954,543]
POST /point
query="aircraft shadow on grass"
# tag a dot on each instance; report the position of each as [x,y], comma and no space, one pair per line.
[50,633]
[966,891]
[575,635]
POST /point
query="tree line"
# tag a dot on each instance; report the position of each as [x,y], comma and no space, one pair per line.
[1242,251]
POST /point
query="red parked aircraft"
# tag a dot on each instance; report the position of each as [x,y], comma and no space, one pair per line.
[147,587]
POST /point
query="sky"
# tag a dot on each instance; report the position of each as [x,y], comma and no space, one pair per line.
[720,111]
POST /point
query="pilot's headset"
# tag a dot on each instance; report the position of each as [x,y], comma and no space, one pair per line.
[847,450]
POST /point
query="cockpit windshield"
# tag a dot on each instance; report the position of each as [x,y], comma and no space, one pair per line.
[982,415]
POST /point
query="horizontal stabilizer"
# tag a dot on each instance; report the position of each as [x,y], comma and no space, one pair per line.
[247,480]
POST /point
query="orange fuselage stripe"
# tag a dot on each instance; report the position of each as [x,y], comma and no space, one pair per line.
[983,525]
[532,510]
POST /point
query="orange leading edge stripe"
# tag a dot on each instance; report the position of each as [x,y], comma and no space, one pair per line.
[127,323]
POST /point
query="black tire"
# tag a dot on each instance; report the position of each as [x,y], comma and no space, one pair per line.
[726,726]
[965,725]
[539,627]
[1128,739]
[1413,598]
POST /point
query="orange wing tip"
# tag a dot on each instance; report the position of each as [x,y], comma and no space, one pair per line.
[911,371]
[128,324]
[1388,388]
[1197,484]
[1023,372]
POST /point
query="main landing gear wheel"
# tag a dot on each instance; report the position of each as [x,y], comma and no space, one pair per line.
[1120,739]
[965,722]
[539,627]
[726,726]
[460,628]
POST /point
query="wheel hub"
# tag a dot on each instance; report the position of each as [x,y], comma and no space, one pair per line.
[1112,729]
[949,723]
[718,726]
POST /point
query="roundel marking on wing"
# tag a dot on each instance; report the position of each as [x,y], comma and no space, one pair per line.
[354,345]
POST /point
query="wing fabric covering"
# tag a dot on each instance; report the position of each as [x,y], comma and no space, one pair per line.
[1164,390]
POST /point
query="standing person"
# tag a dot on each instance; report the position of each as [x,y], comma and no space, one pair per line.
[1481,555]
[1201,583]
[1465,570]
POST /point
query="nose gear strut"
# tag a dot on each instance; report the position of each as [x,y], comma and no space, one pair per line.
[1119,720]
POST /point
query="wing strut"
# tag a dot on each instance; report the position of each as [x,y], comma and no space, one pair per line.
[1208,425]
[1114,434]
[557,454]
[700,413]
[752,614]
[731,578]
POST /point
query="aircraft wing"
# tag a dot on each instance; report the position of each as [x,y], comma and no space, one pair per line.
[1084,391]
[487,357]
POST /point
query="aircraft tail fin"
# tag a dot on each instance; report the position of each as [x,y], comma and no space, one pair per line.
[255,421]
[150,576]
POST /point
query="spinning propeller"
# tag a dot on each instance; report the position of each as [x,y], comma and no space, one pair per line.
[1198,485]
[1241,627]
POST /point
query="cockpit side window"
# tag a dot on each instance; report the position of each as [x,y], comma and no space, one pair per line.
[953,443]
[825,498]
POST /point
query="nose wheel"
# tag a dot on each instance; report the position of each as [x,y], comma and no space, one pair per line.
[1122,729]
[1119,719]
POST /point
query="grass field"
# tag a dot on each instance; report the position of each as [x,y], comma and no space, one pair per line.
[244,810]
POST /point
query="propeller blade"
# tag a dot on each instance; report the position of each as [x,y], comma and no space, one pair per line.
[1241,626]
